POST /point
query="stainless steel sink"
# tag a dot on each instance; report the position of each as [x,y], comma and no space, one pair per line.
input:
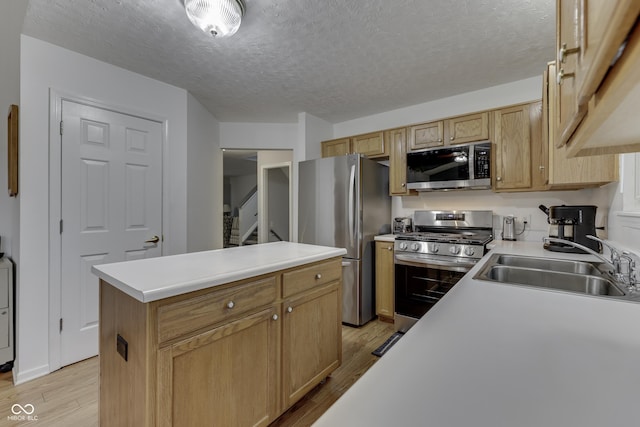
[550,273]
[552,264]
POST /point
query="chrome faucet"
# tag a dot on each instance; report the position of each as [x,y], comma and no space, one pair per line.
[623,263]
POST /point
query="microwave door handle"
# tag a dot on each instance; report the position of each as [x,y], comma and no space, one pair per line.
[352,202]
[472,162]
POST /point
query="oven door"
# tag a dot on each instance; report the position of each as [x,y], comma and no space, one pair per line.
[418,287]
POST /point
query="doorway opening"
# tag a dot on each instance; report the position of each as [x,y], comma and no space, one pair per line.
[251,179]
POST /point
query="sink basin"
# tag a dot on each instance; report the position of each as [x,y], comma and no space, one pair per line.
[550,273]
[580,283]
[560,265]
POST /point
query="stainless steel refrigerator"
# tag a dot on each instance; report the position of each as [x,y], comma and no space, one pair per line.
[344,202]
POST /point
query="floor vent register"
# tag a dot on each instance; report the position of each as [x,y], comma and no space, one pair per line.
[387,344]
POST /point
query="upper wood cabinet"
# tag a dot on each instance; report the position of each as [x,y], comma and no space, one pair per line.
[336,147]
[468,128]
[565,172]
[597,83]
[456,130]
[512,169]
[398,162]
[569,112]
[371,145]
[426,135]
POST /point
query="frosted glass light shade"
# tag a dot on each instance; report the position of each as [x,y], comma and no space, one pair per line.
[220,18]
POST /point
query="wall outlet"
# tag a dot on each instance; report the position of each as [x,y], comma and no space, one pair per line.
[122,347]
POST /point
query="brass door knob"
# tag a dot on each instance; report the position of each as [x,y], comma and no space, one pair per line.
[154,239]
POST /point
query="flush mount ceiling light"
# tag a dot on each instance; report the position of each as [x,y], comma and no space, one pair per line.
[220,18]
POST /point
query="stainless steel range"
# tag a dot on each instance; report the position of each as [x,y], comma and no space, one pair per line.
[429,261]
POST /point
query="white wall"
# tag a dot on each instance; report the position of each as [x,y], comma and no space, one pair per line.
[11,18]
[522,205]
[43,67]
[484,99]
[204,191]
[313,130]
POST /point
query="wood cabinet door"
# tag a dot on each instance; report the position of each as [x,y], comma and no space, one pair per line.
[470,128]
[426,135]
[227,376]
[385,279]
[336,147]
[577,172]
[569,112]
[397,140]
[513,148]
[371,145]
[603,26]
[311,340]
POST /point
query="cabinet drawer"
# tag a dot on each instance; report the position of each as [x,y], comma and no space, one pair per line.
[309,277]
[4,287]
[181,317]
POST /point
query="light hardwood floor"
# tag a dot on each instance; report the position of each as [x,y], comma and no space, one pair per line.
[69,396]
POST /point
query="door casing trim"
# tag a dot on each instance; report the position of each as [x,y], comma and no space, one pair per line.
[56,97]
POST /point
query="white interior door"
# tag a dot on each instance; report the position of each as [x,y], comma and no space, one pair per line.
[111,210]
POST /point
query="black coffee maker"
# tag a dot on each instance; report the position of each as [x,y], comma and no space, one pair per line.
[572,223]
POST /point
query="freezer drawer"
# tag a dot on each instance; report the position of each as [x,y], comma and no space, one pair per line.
[357,295]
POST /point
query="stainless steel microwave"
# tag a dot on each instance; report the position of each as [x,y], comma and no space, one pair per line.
[453,167]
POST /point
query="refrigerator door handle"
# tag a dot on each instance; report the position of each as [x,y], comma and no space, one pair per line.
[352,202]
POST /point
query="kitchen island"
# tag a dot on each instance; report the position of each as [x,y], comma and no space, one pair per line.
[491,355]
[224,337]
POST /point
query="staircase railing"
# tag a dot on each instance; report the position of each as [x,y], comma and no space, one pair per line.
[248,216]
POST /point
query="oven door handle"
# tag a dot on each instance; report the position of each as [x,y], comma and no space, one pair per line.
[433,263]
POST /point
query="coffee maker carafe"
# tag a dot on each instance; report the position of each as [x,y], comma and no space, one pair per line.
[572,223]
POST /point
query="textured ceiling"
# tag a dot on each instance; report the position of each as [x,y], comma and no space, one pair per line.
[334,59]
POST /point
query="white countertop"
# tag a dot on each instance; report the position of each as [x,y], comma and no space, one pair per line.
[156,278]
[385,237]
[492,355]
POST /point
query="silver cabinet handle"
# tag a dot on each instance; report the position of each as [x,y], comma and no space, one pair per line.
[452,138]
[274,317]
[289,309]
[390,248]
[403,185]
[498,178]
[564,52]
[318,276]
[231,304]
[562,75]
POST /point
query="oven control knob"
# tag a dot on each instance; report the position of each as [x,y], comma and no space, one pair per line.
[403,246]
[455,250]
[469,251]
[434,248]
[415,246]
